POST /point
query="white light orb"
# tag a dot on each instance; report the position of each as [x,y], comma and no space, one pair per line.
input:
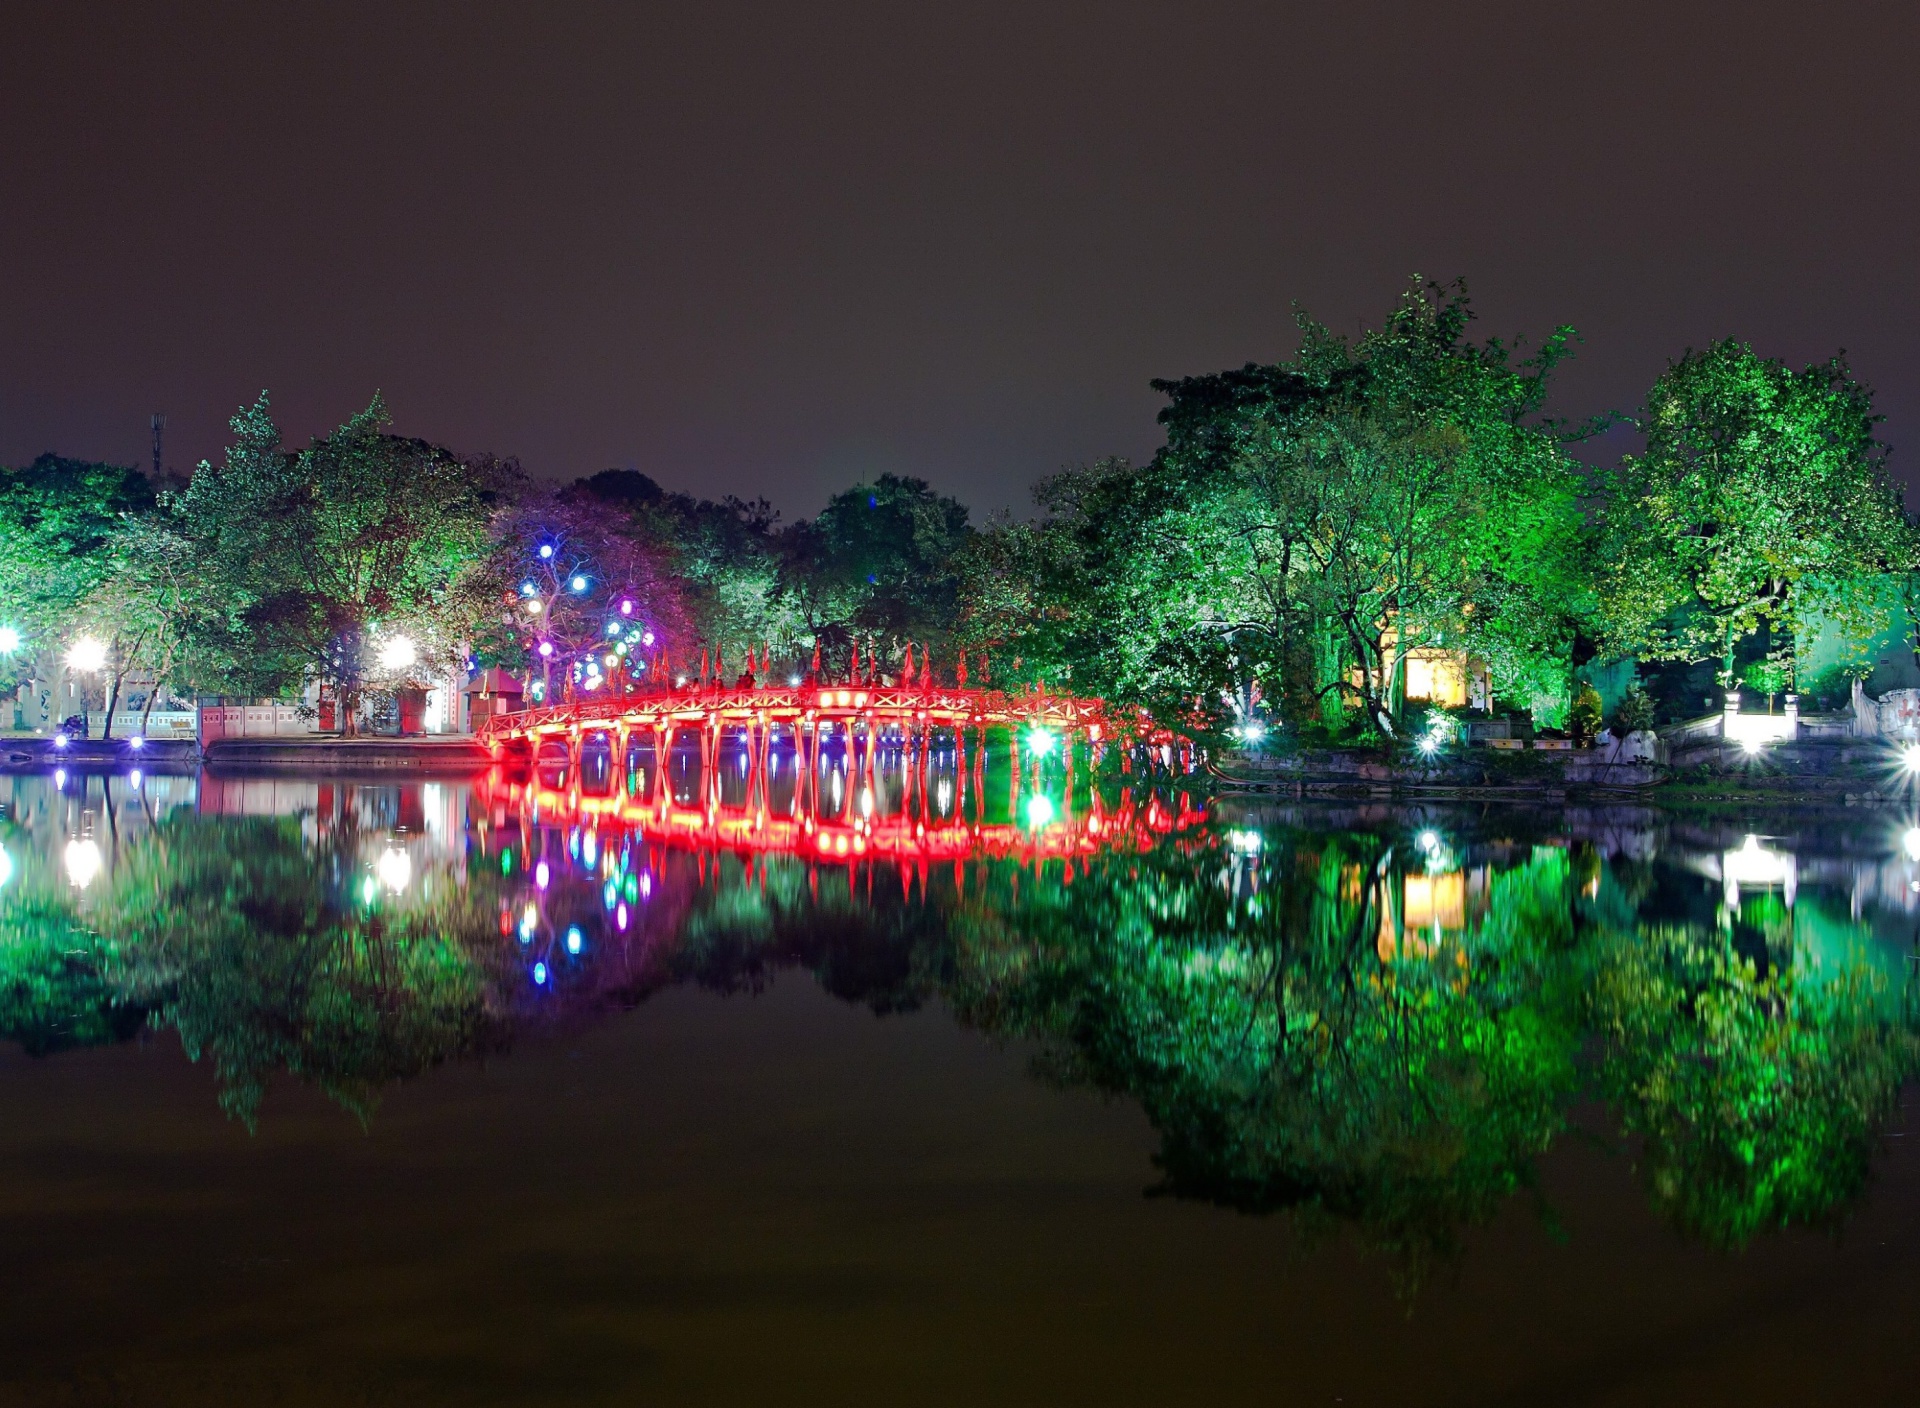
[395,869]
[398,653]
[88,654]
[9,640]
[84,862]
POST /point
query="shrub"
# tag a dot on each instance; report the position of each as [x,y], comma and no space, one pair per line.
[1633,713]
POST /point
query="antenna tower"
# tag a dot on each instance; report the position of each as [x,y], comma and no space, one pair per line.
[159,426]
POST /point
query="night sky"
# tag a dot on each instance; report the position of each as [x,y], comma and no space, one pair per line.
[772,249]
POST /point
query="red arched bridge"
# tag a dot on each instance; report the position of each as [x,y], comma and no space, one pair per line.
[838,771]
[808,714]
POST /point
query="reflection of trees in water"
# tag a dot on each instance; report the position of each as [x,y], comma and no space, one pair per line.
[1352,1025]
[1285,1062]
[1759,1089]
[1300,1042]
[233,931]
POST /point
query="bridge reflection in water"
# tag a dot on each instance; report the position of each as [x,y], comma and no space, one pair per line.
[1382,1015]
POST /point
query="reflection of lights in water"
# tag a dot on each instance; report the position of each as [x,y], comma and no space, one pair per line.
[1910,843]
[83,862]
[866,801]
[620,917]
[943,795]
[395,869]
[1039,811]
[369,890]
[1247,843]
[1755,866]
[646,887]
[59,777]
[529,920]
[574,939]
[540,973]
[6,866]
[134,779]
[609,894]
[541,875]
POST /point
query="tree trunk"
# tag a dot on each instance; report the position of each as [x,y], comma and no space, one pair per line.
[113,701]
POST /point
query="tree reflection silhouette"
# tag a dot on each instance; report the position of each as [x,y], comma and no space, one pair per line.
[1359,1027]
[235,932]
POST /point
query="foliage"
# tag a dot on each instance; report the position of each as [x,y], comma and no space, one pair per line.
[58,522]
[315,551]
[1310,523]
[1584,718]
[1634,712]
[558,575]
[879,565]
[1762,497]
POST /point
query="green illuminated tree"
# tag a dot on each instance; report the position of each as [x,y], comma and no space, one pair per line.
[58,522]
[1310,523]
[1761,496]
[878,564]
[316,548]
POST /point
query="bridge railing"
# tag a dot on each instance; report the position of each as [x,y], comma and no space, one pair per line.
[948,705]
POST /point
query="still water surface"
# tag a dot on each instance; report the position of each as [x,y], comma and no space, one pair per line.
[907,1089]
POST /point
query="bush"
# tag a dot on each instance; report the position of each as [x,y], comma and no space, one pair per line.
[1633,713]
[1583,719]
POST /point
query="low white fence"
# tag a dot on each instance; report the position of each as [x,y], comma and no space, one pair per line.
[254,721]
[161,723]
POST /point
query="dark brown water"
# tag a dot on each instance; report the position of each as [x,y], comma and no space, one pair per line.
[1629,1132]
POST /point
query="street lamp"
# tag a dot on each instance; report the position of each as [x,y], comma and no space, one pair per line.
[88,655]
[398,653]
[9,640]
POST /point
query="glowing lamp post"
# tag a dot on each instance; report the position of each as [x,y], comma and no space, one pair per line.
[87,656]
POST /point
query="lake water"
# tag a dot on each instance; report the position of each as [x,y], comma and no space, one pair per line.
[944,1088]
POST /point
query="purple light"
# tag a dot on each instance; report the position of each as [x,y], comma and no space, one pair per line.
[546,647]
[541,875]
[546,550]
[137,741]
[626,608]
[59,740]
